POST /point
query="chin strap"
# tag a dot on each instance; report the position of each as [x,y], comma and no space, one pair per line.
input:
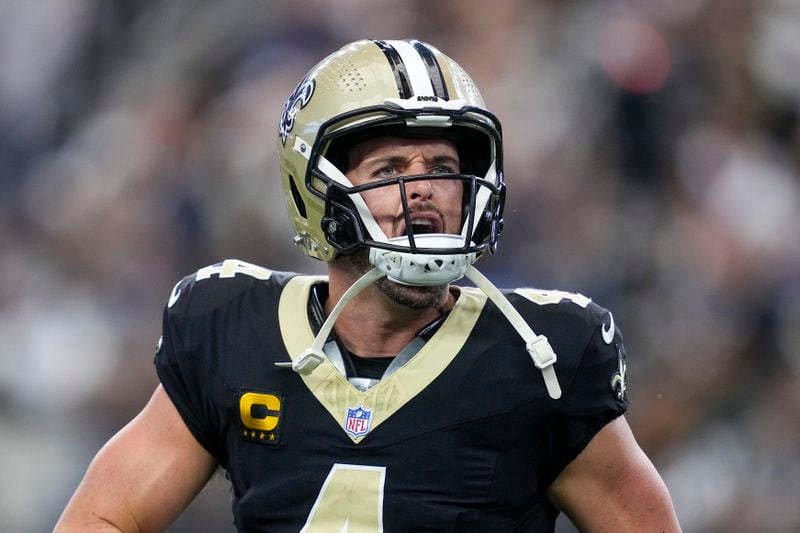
[312,357]
[537,345]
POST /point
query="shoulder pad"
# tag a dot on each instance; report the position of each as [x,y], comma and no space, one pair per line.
[214,285]
[584,317]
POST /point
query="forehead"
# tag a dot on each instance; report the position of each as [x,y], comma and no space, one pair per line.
[390,146]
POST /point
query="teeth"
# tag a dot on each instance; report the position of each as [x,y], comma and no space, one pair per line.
[422,226]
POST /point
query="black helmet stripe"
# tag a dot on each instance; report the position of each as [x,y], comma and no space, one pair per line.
[434,70]
[398,68]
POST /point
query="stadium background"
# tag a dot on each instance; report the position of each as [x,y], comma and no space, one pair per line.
[653,163]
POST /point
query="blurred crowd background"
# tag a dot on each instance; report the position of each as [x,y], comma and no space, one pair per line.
[652,161]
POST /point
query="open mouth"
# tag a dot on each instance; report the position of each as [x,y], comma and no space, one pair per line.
[422,223]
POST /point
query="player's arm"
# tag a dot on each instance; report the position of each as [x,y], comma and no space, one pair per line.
[612,486]
[143,477]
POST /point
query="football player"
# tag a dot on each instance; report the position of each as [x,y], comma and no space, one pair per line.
[382,396]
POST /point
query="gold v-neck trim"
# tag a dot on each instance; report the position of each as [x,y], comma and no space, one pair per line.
[333,390]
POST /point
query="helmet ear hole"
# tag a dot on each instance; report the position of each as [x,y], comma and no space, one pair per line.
[340,223]
[298,200]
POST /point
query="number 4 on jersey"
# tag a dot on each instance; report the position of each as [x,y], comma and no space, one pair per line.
[231,267]
[350,501]
[543,297]
[227,269]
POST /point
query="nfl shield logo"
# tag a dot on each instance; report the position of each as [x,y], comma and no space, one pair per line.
[357,421]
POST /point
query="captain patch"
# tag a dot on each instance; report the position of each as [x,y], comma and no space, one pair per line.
[260,416]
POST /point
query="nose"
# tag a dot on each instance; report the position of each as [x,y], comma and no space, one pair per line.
[419,190]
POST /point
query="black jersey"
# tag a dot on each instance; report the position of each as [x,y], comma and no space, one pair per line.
[463,437]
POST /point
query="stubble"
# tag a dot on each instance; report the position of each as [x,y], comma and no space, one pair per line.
[417,298]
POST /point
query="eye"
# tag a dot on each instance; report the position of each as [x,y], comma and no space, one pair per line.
[384,172]
[443,169]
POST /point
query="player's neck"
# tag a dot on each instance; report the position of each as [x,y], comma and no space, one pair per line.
[372,325]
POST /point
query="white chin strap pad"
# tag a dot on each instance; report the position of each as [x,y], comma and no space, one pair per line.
[423,269]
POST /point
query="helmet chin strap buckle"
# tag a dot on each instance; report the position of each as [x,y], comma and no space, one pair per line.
[541,352]
[306,362]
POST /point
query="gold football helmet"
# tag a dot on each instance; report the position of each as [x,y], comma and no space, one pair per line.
[403,88]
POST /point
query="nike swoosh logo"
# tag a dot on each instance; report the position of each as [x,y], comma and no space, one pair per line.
[608,334]
[176,293]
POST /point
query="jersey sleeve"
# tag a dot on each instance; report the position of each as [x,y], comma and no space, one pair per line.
[185,375]
[594,393]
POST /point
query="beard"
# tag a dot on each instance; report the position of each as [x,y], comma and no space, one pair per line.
[411,297]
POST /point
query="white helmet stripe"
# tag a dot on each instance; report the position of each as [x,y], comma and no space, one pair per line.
[415,67]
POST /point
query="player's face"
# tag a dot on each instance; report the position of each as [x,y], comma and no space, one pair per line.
[435,205]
